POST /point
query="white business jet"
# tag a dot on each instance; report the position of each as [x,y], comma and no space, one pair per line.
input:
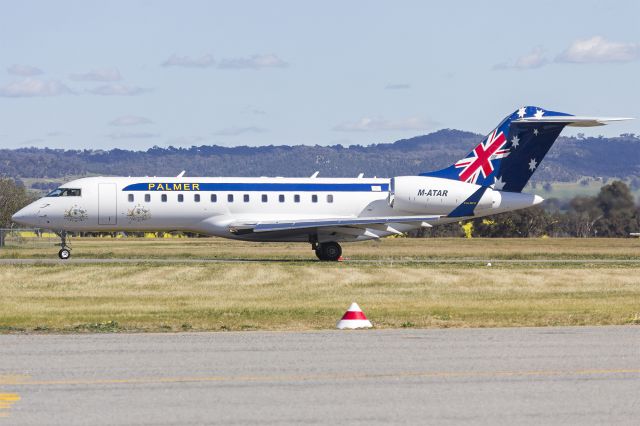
[320,211]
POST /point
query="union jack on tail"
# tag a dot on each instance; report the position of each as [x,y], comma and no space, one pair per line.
[480,159]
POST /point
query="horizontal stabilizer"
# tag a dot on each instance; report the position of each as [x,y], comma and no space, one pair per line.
[322,223]
[572,120]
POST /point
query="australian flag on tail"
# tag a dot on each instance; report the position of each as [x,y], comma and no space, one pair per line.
[512,152]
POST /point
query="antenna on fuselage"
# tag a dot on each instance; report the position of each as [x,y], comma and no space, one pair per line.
[315,175]
[181,174]
[361,175]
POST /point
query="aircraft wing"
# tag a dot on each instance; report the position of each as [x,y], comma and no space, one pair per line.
[572,120]
[356,222]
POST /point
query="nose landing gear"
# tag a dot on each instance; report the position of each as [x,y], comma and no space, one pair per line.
[65,251]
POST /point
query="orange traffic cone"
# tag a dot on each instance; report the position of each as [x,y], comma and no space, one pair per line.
[354,318]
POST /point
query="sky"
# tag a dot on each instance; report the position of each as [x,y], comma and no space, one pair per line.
[136,74]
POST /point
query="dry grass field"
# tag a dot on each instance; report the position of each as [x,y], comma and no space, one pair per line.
[393,289]
[400,249]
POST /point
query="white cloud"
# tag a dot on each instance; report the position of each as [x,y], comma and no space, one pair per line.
[189,62]
[129,120]
[255,62]
[102,74]
[116,89]
[398,86]
[132,135]
[368,124]
[235,131]
[597,49]
[534,59]
[250,109]
[30,87]
[24,70]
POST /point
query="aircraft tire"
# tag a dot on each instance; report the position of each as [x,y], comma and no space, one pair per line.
[330,251]
[64,254]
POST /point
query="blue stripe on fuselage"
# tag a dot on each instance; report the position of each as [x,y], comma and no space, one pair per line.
[232,186]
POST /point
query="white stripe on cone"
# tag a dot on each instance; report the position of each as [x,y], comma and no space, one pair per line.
[354,318]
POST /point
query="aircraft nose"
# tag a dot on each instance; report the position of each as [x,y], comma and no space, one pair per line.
[26,216]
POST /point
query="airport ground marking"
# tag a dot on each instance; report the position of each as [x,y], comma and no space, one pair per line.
[11,379]
[6,402]
[337,377]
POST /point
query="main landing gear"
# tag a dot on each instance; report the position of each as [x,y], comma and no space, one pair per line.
[330,251]
[65,250]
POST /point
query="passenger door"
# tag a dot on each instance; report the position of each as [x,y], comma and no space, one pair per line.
[107,204]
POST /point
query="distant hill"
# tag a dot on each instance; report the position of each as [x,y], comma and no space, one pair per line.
[568,160]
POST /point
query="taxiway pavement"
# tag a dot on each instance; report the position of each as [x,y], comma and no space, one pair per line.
[575,375]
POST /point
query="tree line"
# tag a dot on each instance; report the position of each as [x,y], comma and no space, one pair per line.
[613,212]
[13,197]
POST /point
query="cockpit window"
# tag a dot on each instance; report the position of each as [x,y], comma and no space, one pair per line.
[65,192]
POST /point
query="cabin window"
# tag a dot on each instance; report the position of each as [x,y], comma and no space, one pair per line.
[196,198]
[329,198]
[245,197]
[163,198]
[230,198]
[314,198]
[214,198]
[147,198]
[130,198]
[265,198]
[281,198]
[296,198]
[180,198]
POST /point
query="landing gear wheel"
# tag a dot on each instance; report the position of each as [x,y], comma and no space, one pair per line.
[65,251]
[330,251]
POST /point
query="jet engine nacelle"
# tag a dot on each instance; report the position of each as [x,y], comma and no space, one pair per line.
[432,195]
